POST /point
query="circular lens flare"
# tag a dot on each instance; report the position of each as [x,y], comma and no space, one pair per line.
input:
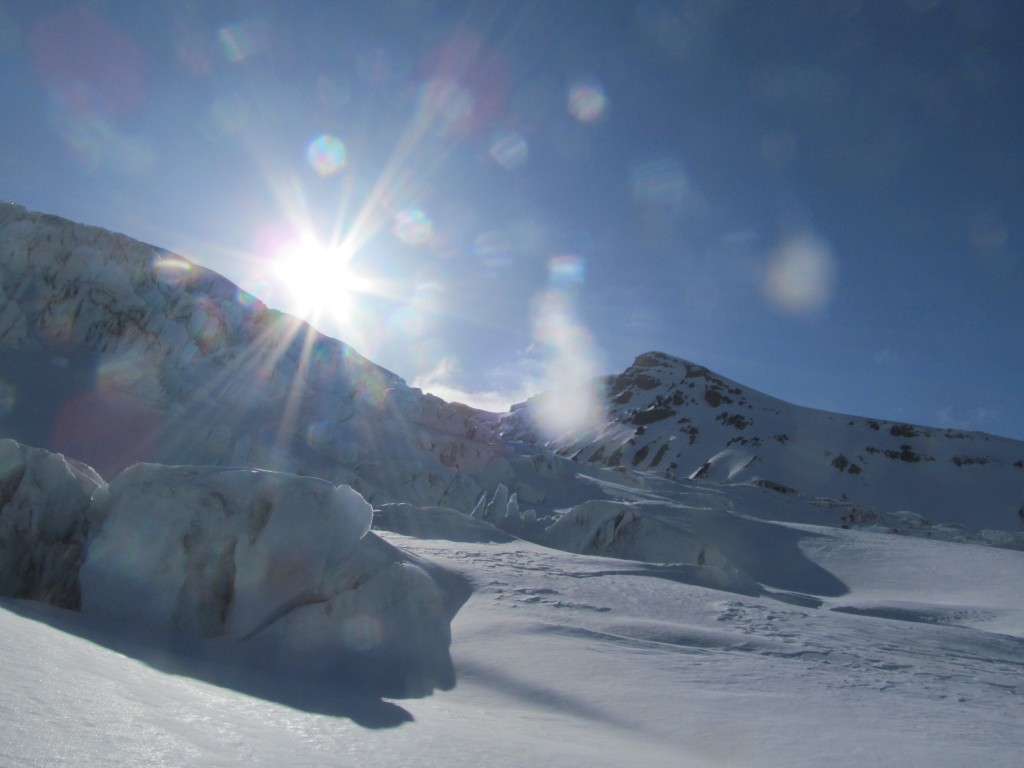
[327,154]
[587,101]
[801,276]
[413,226]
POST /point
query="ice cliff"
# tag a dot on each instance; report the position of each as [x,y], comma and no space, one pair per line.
[283,565]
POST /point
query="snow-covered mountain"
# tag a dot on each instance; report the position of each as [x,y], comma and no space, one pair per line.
[683,422]
[239,536]
[115,352]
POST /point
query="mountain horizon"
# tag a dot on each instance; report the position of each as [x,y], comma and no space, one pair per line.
[115,337]
[199,493]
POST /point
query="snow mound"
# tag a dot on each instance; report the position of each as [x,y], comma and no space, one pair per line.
[436,523]
[622,530]
[282,562]
[44,499]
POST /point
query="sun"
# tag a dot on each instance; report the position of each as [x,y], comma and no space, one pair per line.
[318,277]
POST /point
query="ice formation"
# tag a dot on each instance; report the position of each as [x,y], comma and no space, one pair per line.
[283,562]
[44,500]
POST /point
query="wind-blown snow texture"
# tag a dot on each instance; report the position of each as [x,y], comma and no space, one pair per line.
[728,591]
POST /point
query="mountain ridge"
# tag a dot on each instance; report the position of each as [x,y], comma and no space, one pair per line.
[685,422]
[116,352]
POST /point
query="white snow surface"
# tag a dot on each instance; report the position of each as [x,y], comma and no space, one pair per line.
[564,659]
[821,592]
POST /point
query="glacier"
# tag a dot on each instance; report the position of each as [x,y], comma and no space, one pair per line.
[241,541]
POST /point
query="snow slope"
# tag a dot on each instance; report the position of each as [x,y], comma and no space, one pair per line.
[565,659]
[116,352]
[820,592]
[282,566]
[680,420]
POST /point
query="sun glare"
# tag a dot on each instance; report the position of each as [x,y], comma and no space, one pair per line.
[318,277]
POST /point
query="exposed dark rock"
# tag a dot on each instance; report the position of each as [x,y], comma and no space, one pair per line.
[773,486]
[906,453]
[753,442]
[659,455]
[641,454]
[965,460]
[733,420]
[652,415]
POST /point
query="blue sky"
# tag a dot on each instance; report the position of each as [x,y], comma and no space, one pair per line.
[821,200]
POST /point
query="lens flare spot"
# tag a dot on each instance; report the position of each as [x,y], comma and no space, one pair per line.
[572,403]
[509,149]
[244,39]
[413,226]
[173,269]
[566,271]
[587,101]
[327,154]
[8,397]
[801,275]
[206,326]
